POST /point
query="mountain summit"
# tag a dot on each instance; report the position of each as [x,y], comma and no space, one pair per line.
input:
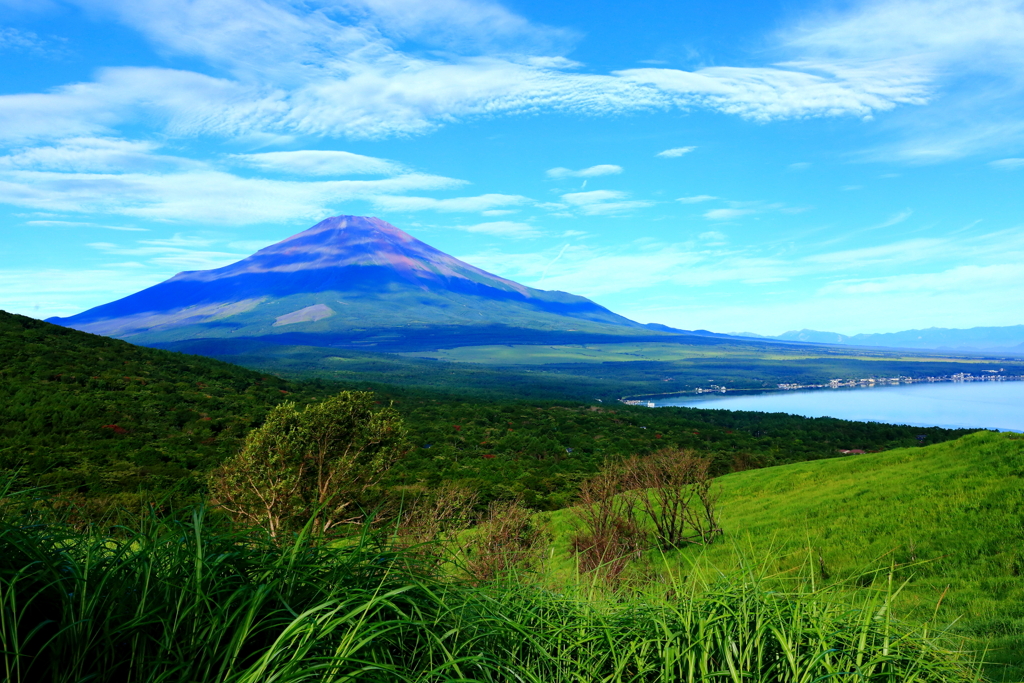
[348,279]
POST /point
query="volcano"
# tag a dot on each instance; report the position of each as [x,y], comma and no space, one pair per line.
[350,280]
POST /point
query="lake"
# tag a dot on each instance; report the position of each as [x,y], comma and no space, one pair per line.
[981,405]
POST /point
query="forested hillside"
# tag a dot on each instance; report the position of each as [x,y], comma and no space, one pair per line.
[89,414]
[541,451]
[102,420]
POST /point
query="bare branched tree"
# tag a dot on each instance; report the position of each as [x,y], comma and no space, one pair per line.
[611,534]
[671,492]
[432,522]
[506,537]
[679,499]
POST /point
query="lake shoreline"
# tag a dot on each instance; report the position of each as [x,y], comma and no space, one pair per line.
[988,404]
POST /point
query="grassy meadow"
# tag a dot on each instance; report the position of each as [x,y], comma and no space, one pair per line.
[948,519]
[185,598]
[539,354]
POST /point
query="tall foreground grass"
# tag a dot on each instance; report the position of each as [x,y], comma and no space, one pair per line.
[192,601]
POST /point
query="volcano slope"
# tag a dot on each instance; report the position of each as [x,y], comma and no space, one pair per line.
[352,281]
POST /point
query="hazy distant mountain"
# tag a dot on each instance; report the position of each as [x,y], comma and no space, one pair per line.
[348,279]
[814,336]
[938,338]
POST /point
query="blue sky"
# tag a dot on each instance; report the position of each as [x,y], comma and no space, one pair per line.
[849,166]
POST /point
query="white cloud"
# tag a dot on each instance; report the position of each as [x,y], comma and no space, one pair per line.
[1007,164]
[906,251]
[593,171]
[895,219]
[675,152]
[998,278]
[188,255]
[712,237]
[969,51]
[502,229]
[603,202]
[799,166]
[202,195]
[319,163]
[726,214]
[479,203]
[696,199]
[15,40]
[708,261]
[799,91]
[294,69]
[81,224]
[592,197]
[111,155]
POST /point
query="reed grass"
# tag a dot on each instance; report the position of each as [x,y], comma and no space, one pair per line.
[190,599]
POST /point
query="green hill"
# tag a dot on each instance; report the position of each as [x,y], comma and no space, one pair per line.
[950,516]
[95,416]
[101,419]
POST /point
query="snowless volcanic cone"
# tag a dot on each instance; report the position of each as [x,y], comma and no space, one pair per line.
[343,278]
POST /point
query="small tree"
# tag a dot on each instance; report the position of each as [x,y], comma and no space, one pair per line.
[610,533]
[679,495]
[506,537]
[310,466]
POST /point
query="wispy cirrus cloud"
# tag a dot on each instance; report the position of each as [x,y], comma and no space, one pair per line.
[710,260]
[180,252]
[319,163]
[298,70]
[1007,164]
[20,41]
[479,203]
[727,214]
[95,154]
[675,152]
[207,196]
[83,224]
[512,229]
[968,52]
[603,202]
[591,172]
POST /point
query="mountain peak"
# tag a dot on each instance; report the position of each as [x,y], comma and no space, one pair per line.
[346,241]
[345,276]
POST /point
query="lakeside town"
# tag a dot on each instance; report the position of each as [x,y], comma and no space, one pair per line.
[865,382]
[990,376]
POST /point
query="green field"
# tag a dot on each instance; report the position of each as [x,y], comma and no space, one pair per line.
[949,518]
[538,354]
[590,371]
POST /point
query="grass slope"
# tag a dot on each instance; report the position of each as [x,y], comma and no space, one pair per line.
[193,601]
[950,515]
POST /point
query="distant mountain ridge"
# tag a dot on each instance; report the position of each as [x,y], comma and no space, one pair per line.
[349,280]
[1009,338]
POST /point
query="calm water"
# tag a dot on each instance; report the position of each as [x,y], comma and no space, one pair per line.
[982,405]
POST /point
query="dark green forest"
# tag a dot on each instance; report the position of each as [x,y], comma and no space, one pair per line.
[105,423]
